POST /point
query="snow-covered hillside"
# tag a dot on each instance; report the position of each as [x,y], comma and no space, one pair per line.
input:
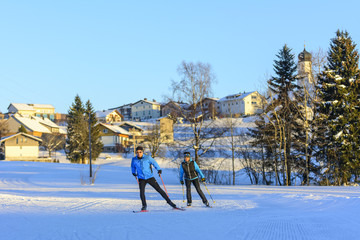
[47,201]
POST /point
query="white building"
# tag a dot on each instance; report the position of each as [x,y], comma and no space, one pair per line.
[241,104]
[109,116]
[144,109]
[21,146]
[38,110]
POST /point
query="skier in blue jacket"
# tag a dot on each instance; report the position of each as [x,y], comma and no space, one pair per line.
[141,168]
[191,170]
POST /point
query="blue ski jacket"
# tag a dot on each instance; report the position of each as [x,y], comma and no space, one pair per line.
[142,167]
[191,170]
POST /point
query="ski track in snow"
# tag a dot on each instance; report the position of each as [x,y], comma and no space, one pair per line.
[47,201]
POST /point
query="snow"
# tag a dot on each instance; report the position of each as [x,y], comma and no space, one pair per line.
[48,201]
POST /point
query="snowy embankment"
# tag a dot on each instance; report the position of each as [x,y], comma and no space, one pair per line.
[47,201]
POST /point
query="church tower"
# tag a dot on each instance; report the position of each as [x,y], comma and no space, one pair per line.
[304,69]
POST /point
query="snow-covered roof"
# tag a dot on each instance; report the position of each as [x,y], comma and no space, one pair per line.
[29,107]
[43,106]
[31,123]
[150,102]
[235,96]
[214,99]
[103,113]
[45,121]
[21,133]
[178,104]
[122,106]
[116,129]
[130,124]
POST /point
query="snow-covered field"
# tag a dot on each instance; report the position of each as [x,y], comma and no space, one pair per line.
[47,201]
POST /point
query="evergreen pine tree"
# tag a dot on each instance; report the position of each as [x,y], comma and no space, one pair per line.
[338,89]
[96,144]
[262,136]
[76,147]
[282,108]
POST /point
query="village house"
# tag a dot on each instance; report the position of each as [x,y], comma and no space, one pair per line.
[38,110]
[109,116]
[136,132]
[20,146]
[35,126]
[174,109]
[241,104]
[125,111]
[210,107]
[114,138]
[144,109]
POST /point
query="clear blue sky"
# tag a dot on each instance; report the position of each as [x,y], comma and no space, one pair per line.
[118,52]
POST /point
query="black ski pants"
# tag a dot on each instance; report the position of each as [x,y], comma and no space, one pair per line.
[196,183]
[152,181]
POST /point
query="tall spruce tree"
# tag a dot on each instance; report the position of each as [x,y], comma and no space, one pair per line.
[282,108]
[96,144]
[77,149]
[262,139]
[338,89]
[76,132]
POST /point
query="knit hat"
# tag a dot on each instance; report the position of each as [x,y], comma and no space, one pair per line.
[186,154]
[139,148]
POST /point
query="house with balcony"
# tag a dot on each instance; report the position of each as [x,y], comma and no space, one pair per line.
[125,111]
[144,109]
[109,116]
[247,103]
[38,110]
[114,138]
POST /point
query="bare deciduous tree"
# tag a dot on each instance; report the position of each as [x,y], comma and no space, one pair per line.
[53,142]
[154,140]
[193,87]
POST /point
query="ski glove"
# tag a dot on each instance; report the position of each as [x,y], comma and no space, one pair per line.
[159,172]
[134,174]
[202,180]
[182,182]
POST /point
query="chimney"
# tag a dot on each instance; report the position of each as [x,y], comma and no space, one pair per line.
[145,99]
[154,100]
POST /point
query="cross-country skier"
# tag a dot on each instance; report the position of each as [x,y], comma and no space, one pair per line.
[192,173]
[141,168]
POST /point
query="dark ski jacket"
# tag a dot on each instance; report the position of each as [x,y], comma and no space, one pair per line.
[191,170]
[142,167]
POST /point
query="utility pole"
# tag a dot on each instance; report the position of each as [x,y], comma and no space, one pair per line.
[90,145]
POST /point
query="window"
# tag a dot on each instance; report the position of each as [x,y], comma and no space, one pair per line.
[253,97]
[149,112]
[254,103]
[17,140]
[105,131]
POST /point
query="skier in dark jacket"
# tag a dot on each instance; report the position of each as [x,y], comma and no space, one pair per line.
[192,173]
[141,168]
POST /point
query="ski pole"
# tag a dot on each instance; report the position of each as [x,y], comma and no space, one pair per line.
[163,184]
[136,179]
[183,192]
[208,192]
